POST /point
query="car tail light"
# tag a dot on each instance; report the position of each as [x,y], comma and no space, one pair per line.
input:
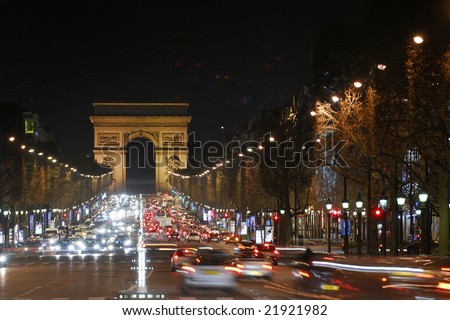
[188,269]
[443,285]
[175,257]
[276,252]
[304,274]
[445,268]
[233,269]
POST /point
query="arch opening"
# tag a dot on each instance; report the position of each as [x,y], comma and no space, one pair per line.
[140,166]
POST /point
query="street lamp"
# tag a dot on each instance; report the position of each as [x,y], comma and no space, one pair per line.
[359,205]
[383,205]
[329,205]
[345,206]
[398,240]
[418,39]
[425,224]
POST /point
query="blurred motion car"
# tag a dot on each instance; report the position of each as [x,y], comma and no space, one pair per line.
[253,265]
[181,257]
[211,269]
[244,245]
[316,278]
[269,251]
[159,250]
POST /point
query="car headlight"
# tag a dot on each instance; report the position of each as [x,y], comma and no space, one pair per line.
[96,247]
[2,258]
[127,242]
[71,247]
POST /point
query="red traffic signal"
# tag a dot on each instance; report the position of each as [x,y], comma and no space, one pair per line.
[378,212]
[276,218]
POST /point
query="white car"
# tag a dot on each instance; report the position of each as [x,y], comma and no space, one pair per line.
[193,236]
[211,270]
[254,265]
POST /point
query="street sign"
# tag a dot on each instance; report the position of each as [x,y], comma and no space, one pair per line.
[349,230]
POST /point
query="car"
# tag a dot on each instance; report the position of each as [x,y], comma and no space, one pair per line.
[213,237]
[254,265]
[211,270]
[269,251]
[181,257]
[91,245]
[33,245]
[174,237]
[193,236]
[245,245]
[232,238]
[62,246]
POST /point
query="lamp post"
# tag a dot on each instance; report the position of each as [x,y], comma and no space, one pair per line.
[329,205]
[359,205]
[425,224]
[383,205]
[398,241]
[345,206]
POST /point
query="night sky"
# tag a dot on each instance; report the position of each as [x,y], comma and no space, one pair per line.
[228,59]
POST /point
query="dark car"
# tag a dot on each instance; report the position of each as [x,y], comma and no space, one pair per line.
[174,237]
[33,245]
[91,246]
[323,273]
[269,251]
[232,238]
[62,246]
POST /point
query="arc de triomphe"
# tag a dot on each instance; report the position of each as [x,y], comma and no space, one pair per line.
[118,123]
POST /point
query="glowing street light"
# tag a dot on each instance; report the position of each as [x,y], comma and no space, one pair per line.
[357,84]
[418,39]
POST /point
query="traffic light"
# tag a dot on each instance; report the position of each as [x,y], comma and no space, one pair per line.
[335,214]
[226,215]
[378,212]
[276,218]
